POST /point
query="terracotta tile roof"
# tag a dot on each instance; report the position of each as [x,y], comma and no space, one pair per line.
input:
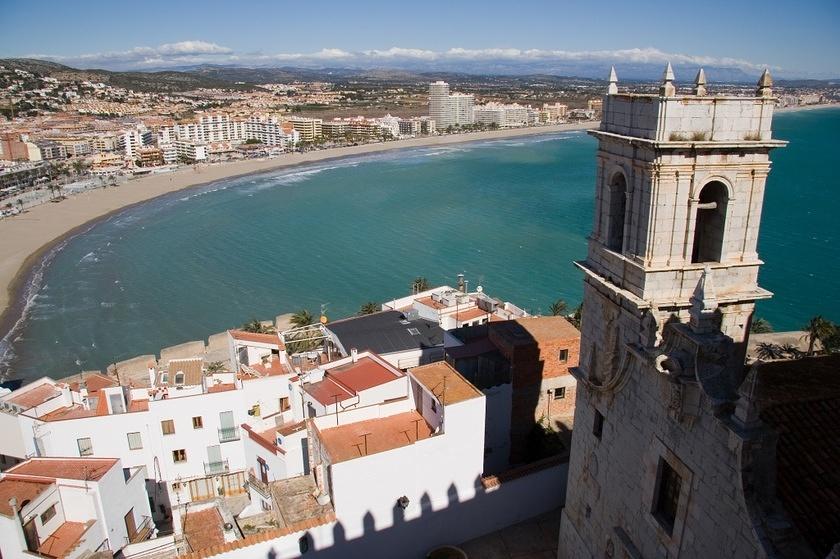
[347,442]
[95,383]
[192,369]
[800,399]
[456,388]
[469,314]
[62,541]
[265,439]
[287,430]
[224,387]
[35,397]
[20,489]
[90,469]
[68,412]
[344,382]
[243,336]
[429,302]
[138,405]
[203,529]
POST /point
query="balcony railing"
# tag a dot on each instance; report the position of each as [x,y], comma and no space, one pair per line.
[213,468]
[227,434]
[259,486]
[142,532]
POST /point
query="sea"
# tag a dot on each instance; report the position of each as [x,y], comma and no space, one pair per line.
[511,215]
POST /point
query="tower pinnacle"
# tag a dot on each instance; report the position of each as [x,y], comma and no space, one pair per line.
[668,89]
[700,83]
[765,84]
[612,89]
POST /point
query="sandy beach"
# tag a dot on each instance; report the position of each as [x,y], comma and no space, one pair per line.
[25,238]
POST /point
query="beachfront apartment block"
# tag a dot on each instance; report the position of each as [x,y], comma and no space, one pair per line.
[505,115]
[191,150]
[449,109]
[72,508]
[308,128]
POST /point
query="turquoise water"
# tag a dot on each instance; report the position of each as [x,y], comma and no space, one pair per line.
[510,214]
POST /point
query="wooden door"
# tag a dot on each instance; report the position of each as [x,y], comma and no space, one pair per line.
[130,526]
[30,534]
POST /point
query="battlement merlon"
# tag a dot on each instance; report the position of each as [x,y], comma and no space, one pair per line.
[683,120]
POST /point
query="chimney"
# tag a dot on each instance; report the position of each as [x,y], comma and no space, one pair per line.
[354,353]
[461,286]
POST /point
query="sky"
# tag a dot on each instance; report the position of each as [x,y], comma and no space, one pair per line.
[796,39]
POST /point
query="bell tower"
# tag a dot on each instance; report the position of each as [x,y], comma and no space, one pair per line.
[680,186]
[670,285]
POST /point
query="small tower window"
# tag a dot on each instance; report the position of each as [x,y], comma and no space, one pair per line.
[617,200]
[710,224]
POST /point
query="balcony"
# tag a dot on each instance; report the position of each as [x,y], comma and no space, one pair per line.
[228,434]
[213,468]
[142,532]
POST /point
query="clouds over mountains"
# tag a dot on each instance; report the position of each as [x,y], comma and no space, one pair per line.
[502,60]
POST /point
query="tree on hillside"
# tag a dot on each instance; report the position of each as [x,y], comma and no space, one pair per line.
[558,308]
[369,308]
[760,326]
[302,318]
[818,328]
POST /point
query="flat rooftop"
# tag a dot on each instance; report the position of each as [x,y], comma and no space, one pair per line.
[294,501]
[373,436]
[535,329]
[386,332]
[445,383]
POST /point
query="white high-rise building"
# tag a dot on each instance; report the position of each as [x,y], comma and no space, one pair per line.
[449,109]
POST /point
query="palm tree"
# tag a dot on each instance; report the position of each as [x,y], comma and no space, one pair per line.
[216,367]
[80,166]
[302,318]
[817,328]
[767,351]
[256,327]
[558,308]
[576,316]
[792,351]
[419,285]
[369,308]
[760,326]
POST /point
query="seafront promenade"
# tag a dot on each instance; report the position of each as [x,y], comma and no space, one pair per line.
[25,238]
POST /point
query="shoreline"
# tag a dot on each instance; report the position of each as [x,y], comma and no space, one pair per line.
[806,108]
[27,239]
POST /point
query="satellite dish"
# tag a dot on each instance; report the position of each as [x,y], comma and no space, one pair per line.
[479,289]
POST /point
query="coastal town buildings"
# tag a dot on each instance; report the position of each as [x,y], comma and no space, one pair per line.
[72,507]
[680,449]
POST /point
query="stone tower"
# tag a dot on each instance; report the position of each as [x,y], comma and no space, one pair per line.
[671,280]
